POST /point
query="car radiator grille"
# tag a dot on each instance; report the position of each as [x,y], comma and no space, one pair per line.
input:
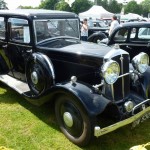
[121,88]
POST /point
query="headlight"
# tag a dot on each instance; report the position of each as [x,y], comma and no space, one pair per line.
[141,62]
[110,71]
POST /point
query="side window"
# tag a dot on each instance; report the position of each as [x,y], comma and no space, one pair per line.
[144,33]
[133,33]
[121,35]
[19,30]
[2,28]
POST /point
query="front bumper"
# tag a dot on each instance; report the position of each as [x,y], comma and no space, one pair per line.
[136,119]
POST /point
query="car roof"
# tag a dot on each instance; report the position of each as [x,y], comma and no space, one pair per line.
[135,24]
[37,13]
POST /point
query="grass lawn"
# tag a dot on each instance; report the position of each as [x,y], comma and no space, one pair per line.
[24,126]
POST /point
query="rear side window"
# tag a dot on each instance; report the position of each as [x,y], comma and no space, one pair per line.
[2,28]
[121,35]
[144,33]
[19,30]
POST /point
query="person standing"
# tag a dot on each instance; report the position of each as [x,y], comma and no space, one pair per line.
[114,24]
[84,30]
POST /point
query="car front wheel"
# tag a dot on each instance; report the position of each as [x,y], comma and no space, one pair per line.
[73,120]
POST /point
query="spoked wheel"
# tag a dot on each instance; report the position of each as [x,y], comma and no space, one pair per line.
[73,120]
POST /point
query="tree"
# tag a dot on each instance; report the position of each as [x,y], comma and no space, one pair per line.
[48,4]
[114,6]
[133,7]
[145,7]
[3,4]
[103,3]
[81,6]
[62,5]
[25,7]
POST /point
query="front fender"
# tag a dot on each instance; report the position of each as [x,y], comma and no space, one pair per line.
[93,103]
[97,35]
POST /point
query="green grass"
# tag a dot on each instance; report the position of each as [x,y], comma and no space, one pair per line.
[24,126]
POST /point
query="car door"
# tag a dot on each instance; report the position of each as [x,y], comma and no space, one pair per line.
[139,41]
[19,45]
[4,59]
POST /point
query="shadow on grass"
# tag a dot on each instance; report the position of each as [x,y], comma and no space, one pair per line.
[121,139]
[44,112]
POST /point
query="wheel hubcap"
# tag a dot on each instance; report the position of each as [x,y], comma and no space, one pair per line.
[34,77]
[68,119]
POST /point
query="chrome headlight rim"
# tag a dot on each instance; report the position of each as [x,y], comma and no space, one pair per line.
[137,62]
[105,74]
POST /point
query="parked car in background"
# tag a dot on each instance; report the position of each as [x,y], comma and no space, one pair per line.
[95,89]
[133,37]
[97,30]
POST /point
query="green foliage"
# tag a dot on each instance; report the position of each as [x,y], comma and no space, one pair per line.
[81,5]
[133,7]
[3,4]
[103,3]
[48,4]
[26,7]
[145,7]
[62,6]
[114,6]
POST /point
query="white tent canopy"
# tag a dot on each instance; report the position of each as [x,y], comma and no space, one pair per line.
[96,12]
[130,16]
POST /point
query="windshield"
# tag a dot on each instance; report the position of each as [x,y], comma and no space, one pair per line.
[50,28]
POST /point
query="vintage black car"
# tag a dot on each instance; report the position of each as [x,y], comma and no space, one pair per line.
[95,89]
[133,37]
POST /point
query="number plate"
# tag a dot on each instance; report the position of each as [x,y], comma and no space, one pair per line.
[141,119]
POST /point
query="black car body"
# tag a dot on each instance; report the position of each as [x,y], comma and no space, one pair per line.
[93,88]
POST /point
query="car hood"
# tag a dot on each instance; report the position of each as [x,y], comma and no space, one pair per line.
[89,49]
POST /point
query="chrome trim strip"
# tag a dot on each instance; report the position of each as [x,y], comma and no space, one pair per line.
[112,90]
[138,105]
[125,74]
[98,131]
[121,59]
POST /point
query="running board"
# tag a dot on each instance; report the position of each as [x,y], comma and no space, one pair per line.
[17,85]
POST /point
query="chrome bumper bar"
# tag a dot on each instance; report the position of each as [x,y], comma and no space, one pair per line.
[143,115]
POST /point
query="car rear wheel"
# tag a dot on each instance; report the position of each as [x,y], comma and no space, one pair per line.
[73,120]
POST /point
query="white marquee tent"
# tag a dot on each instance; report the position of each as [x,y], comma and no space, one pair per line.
[96,12]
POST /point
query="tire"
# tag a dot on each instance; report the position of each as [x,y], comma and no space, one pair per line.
[73,120]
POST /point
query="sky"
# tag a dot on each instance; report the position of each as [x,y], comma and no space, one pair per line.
[13,4]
